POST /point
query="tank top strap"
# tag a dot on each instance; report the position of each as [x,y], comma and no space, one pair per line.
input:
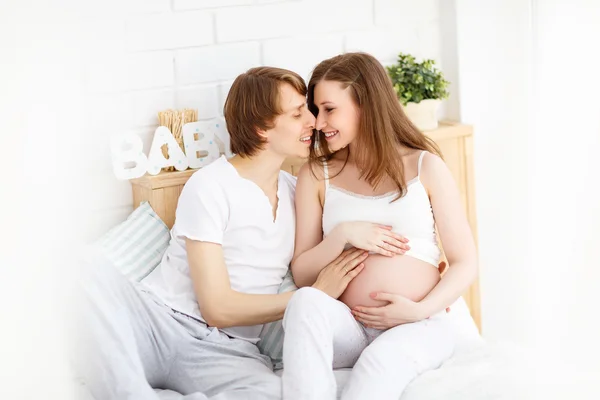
[326,174]
[420,162]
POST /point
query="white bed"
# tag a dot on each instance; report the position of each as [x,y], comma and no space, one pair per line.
[486,372]
[477,371]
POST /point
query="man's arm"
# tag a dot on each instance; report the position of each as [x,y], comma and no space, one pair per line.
[223,307]
[220,305]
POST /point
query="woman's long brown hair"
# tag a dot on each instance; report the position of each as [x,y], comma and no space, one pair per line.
[382,122]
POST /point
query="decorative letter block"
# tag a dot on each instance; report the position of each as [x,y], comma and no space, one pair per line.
[128,149]
[199,143]
[218,124]
[157,161]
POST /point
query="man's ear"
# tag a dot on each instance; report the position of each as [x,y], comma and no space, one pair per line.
[264,135]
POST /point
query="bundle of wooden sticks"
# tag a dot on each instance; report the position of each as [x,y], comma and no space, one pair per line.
[174,120]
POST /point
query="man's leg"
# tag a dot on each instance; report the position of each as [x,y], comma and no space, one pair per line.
[399,355]
[320,334]
[222,368]
[120,336]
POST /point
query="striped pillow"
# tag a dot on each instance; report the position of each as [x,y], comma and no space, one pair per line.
[271,335]
[136,245]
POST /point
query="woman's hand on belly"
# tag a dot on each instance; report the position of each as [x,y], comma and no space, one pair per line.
[389,290]
[374,237]
[403,275]
[400,310]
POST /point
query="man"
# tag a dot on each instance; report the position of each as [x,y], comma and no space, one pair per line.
[193,325]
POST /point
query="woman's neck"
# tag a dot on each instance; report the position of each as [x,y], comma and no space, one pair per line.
[350,152]
[344,154]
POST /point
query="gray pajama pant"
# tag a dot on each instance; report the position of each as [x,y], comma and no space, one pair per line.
[125,343]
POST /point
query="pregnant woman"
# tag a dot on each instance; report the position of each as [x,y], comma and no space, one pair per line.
[373,182]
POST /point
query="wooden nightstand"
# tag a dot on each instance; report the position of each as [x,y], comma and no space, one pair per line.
[161,191]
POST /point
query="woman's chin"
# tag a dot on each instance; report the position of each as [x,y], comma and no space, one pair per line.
[336,147]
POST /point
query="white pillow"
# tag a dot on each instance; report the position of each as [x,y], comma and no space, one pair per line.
[271,335]
[136,245]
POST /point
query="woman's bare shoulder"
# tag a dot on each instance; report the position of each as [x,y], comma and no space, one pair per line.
[432,162]
[312,171]
[434,170]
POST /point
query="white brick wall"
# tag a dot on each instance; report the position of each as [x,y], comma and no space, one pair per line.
[259,21]
[304,52]
[204,98]
[150,70]
[147,55]
[394,12]
[169,30]
[225,61]
[181,5]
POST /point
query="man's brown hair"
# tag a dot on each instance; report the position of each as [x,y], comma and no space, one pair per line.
[253,104]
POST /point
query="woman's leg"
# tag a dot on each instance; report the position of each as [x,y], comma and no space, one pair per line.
[399,355]
[320,334]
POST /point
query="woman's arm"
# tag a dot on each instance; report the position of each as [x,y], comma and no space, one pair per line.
[312,252]
[455,234]
[459,246]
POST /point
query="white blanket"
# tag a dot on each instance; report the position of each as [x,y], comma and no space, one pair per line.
[501,371]
[487,372]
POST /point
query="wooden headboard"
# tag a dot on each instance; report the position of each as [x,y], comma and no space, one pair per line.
[455,141]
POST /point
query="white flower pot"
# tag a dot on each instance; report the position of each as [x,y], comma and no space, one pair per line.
[423,114]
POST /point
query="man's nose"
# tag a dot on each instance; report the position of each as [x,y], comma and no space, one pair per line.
[311,120]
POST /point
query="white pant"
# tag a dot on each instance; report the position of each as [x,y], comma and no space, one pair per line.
[321,333]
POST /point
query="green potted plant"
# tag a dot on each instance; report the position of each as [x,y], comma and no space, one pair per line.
[420,88]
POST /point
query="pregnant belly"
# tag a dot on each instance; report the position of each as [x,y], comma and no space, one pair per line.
[403,275]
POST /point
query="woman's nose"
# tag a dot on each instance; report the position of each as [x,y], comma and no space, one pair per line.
[320,124]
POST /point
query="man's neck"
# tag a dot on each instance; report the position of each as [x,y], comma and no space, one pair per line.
[262,169]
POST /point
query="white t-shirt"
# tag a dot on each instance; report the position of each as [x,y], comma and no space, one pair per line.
[217,205]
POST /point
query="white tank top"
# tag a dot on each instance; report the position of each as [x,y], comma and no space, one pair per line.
[410,216]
